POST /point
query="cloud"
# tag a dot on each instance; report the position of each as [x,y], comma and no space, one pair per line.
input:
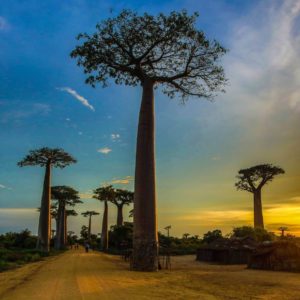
[78,97]
[86,195]
[115,136]
[125,180]
[104,150]
[24,111]
[4,187]
[3,24]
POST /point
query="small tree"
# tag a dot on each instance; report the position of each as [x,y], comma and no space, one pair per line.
[167,51]
[283,229]
[65,196]
[48,158]
[122,197]
[212,236]
[253,180]
[89,214]
[105,194]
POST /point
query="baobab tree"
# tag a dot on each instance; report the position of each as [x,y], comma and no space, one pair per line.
[65,196]
[48,158]
[253,180]
[122,197]
[89,214]
[283,229]
[105,194]
[163,50]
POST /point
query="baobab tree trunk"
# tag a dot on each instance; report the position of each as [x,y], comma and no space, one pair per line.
[104,233]
[66,229]
[145,240]
[258,214]
[44,231]
[90,228]
[60,236]
[120,215]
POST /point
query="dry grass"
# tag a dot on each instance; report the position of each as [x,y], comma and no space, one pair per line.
[76,275]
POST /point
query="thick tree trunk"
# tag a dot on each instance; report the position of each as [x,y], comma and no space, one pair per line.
[90,228]
[60,235]
[120,215]
[258,213]
[66,229]
[44,232]
[145,241]
[104,233]
[56,231]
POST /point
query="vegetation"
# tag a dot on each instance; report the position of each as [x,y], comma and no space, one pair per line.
[122,197]
[105,194]
[48,158]
[89,214]
[167,51]
[253,180]
[64,195]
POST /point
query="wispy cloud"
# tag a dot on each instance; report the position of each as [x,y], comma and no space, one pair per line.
[78,97]
[126,180]
[3,24]
[4,187]
[115,137]
[104,150]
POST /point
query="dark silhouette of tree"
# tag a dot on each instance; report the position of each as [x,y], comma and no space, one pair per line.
[89,214]
[253,180]
[105,194]
[65,196]
[166,51]
[84,232]
[122,197]
[48,158]
[212,236]
[283,229]
[185,236]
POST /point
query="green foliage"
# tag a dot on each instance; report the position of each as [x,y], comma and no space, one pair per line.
[165,49]
[120,237]
[55,156]
[258,234]
[23,239]
[256,177]
[84,232]
[212,236]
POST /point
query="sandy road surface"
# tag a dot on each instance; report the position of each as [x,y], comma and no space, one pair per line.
[78,275]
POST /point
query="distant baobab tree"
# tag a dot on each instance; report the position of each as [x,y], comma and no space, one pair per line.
[48,158]
[151,51]
[122,197]
[185,235]
[89,214]
[253,180]
[283,229]
[65,196]
[105,194]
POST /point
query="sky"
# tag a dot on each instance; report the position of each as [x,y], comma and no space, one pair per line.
[200,146]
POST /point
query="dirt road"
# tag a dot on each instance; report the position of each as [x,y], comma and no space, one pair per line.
[78,275]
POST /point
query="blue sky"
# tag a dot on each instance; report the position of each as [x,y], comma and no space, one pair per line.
[200,145]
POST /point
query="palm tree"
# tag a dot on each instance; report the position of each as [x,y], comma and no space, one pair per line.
[89,214]
[48,158]
[105,194]
[64,195]
[122,197]
[253,180]
[168,51]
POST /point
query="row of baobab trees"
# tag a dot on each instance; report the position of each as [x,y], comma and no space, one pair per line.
[166,51]
[65,196]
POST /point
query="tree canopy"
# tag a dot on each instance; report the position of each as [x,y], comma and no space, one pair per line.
[106,193]
[163,49]
[41,157]
[65,194]
[90,213]
[256,177]
[122,197]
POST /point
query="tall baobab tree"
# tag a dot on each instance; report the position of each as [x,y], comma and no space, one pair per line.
[122,197]
[48,158]
[283,229]
[105,194]
[65,196]
[89,214]
[253,180]
[163,50]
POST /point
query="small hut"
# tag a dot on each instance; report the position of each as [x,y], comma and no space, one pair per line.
[228,251]
[276,256]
